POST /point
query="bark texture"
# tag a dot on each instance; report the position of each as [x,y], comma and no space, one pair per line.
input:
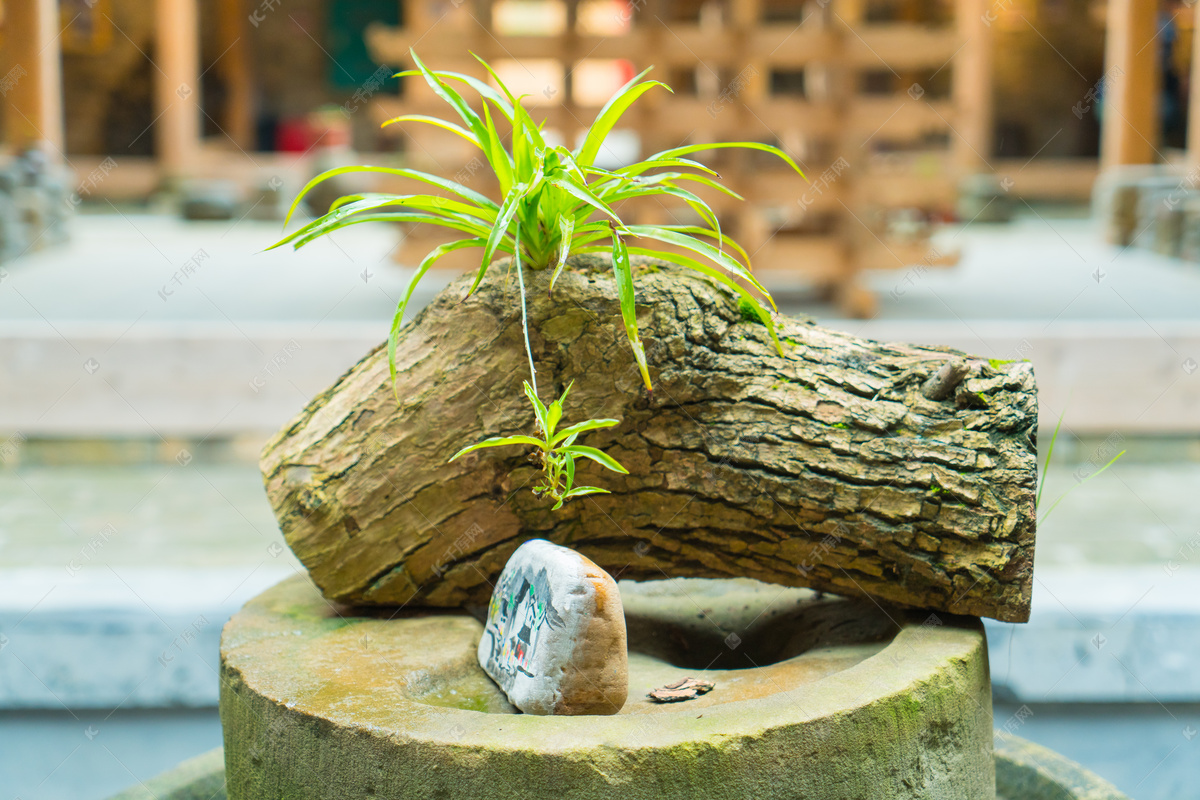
[828,466]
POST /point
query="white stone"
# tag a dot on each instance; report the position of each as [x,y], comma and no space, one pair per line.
[554,640]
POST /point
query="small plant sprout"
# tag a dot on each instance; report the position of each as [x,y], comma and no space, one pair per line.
[556,450]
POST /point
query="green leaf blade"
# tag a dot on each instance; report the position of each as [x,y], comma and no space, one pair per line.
[599,456]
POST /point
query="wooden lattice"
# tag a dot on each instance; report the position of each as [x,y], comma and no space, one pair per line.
[876,100]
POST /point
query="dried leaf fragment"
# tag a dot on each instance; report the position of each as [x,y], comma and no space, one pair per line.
[684,689]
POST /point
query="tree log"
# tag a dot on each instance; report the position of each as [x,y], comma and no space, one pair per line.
[827,467]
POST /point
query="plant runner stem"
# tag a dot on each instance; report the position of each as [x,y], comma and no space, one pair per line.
[524,313]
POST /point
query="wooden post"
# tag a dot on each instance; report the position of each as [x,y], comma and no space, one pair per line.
[1193,127]
[973,89]
[177,85]
[234,68]
[1130,125]
[31,76]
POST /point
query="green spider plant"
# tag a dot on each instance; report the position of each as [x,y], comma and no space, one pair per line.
[555,202]
[556,450]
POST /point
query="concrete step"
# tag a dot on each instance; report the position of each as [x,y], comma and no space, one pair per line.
[115,581]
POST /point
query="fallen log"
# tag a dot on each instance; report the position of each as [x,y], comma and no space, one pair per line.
[901,472]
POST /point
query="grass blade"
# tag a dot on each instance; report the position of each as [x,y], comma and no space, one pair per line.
[1062,497]
[1049,453]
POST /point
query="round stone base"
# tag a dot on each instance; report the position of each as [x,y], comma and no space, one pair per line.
[816,697]
[1024,771]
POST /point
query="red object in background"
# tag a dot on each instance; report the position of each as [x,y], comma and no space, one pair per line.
[628,71]
[293,136]
[320,129]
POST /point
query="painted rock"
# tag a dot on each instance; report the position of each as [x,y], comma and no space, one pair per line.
[554,640]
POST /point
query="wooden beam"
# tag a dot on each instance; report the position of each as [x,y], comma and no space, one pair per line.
[1193,127]
[31,76]
[1130,126]
[972,88]
[177,85]
[234,68]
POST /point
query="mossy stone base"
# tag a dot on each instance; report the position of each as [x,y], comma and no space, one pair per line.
[816,697]
[1024,771]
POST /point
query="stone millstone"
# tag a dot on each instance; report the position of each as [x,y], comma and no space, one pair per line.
[816,697]
[554,639]
[841,464]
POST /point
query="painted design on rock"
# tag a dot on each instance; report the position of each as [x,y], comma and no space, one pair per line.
[517,617]
[554,639]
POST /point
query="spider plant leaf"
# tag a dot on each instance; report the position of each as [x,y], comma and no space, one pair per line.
[584,235]
[457,130]
[499,229]
[299,239]
[581,491]
[717,276]
[481,88]
[599,456]
[669,179]
[498,441]
[554,414]
[523,149]
[675,152]
[581,427]
[566,227]
[703,249]
[474,83]
[610,114]
[372,213]
[664,163]
[699,206]
[426,263]
[585,196]
[508,94]
[539,408]
[434,204]
[433,180]
[455,100]
[528,126]
[496,154]
[696,230]
[623,272]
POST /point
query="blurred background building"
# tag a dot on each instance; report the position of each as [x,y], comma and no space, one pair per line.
[1016,178]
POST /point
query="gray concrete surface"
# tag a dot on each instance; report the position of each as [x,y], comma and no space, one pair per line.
[91,341]
[1040,269]
[89,755]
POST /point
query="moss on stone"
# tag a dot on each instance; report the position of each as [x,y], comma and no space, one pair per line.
[836,708]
